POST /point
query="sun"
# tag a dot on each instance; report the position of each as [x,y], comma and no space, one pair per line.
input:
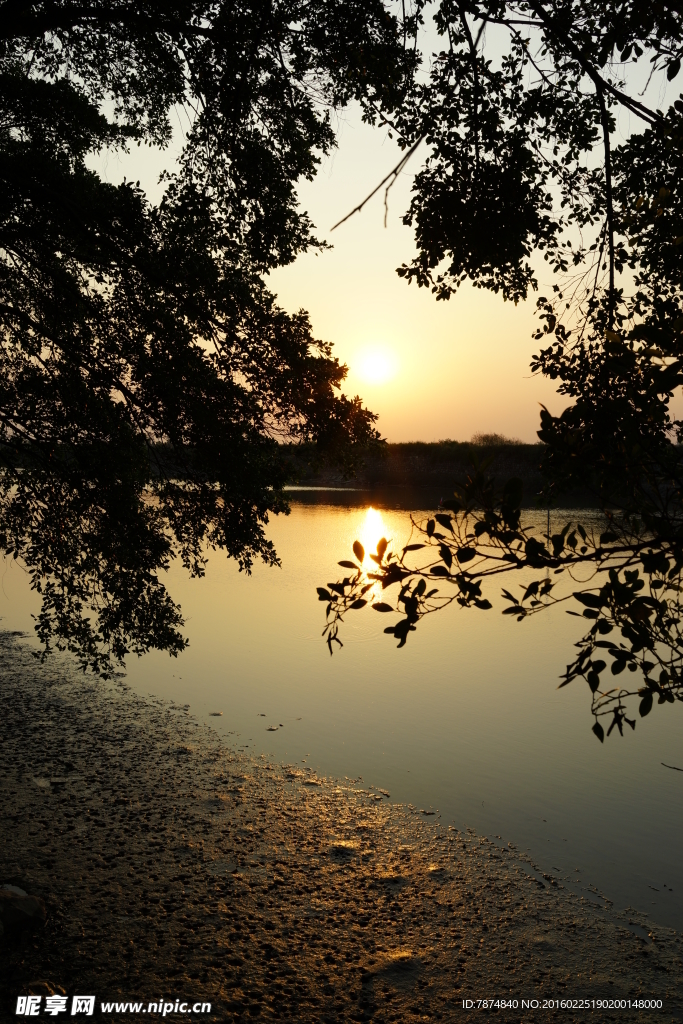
[376,365]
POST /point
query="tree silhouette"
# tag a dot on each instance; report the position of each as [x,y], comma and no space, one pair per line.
[522,161]
[150,387]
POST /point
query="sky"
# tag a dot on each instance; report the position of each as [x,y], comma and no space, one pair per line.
[430,370]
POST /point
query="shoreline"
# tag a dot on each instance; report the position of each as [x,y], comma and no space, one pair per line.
[170,866]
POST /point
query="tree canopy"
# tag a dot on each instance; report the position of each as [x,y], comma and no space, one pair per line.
[150,386]
[519,114]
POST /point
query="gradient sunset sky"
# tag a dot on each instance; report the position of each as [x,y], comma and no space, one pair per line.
[451,368]
[430,369]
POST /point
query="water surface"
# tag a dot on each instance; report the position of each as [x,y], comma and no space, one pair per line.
[465,721]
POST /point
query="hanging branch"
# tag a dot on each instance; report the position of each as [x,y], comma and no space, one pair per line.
[475,79]
[393,175]
[553,26]
[604,117]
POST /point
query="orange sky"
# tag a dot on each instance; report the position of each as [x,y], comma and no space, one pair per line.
[431,370]
[457,367]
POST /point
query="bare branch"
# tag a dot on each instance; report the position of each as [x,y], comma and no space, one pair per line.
[393,174]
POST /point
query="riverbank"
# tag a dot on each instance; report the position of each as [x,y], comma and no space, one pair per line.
[163,866]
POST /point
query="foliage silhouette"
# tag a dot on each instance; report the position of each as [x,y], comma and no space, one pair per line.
[522,161]
[150,387]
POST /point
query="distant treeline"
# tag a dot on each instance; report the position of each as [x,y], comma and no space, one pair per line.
[436,466]
[431,469]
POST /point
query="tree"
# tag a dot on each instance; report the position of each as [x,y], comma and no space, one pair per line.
[522,161]
[150,387]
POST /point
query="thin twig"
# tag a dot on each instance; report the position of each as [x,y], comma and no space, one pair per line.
[392,174]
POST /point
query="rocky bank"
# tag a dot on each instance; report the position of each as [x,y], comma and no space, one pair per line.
[157,864]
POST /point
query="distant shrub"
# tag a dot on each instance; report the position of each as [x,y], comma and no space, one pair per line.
[489,440]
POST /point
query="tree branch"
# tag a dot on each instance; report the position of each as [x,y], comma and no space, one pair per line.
[475,76]
[393,174]
[604,117]
[550,23]
[18,24]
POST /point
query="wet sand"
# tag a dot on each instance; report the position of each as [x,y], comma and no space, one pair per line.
[163,866]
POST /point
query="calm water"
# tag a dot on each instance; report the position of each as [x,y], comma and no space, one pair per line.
[466,720]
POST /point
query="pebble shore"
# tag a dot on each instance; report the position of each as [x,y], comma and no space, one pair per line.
[163,866]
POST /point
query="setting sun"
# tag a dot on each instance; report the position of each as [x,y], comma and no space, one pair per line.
[376,366]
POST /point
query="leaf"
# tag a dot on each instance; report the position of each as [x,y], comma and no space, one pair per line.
[347,565]
[465,554]
[590,600]
[446,555]
[420,588]
[608,536]
[558,543]
[413,547]
[360,602]
[444,520]
[618,667]
[439,570]
[673,69]
[358,550]
[382,547]
[430,527]
[323,595]
[646,704]
[512,492]
[382,606]
[599,732]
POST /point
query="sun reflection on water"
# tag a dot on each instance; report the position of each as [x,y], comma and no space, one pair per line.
[372,531]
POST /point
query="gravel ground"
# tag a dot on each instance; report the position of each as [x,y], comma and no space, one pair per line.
[159,865]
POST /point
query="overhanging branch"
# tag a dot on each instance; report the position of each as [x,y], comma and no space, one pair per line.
[393,175]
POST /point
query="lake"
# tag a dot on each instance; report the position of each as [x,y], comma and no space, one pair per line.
[465,721]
